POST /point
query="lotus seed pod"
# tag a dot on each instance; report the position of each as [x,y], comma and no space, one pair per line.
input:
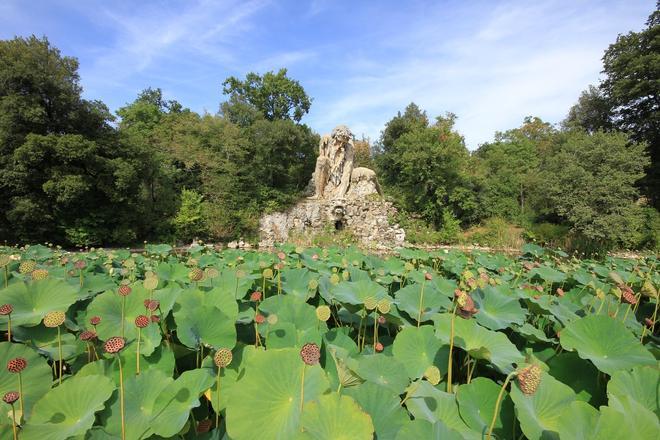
[87,335]
[155,318]
[323,313]
[345,275]
[310,353]
[223,358]
[648,322]
[4,260]
[196,274]
[315,257]
[281,255]
[124,290]
[80,264]
[267,273]
[54,319]
[114,345]
[313,284]
[259,318]
[381,320]
[255,296]
[16,365]
[408,267]
[151,283]
[378,347]
[334,279]
[370,303]
[272,319]
[211,272]
[649,290]
[628,297]
[11,397]
[384,306]
[6,309]
[95,320]
[142,321]
[27,266]
[151,304]
[432,374]
[428,276]
[39,274]
[461,300]
[529,379]
[560,292]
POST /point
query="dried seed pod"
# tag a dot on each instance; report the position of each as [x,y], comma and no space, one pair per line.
[114,345]
[223,358]
[310,353]
[54,319]
[87,335]
[6,309]
[95,320]
[529,379]
[142,321]
[370,303]
[16,365]
[384,306]
[379,347]
[628,297]
[39,274]
[11,397]
[196,274]
[323,313]
[27,266]
[259,318]
[124,290]
[255,296]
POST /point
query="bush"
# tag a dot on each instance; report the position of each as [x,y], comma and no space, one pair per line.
[189,221]
[495,232]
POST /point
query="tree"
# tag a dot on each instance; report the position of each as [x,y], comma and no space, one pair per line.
[632,67]
[592,112]
[590,182]
[63,171]
[274,95]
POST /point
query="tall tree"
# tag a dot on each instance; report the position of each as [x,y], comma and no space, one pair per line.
[275,95]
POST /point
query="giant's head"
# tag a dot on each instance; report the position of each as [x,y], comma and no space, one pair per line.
[341,133]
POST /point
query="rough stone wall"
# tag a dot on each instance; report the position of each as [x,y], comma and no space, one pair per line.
[366,217]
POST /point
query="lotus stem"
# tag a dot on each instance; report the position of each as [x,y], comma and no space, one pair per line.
[6,277]
[302,393]
[451,348]
[497,405]
[409,392]
[121,399]
[279,281]
[217,399]
[59,349]
[9,327]
[81,278]
[375,329]
[20,393]
[421,303]
[13,418]
[123,306]
[137,353]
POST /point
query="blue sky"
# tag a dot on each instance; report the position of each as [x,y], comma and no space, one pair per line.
[490,62]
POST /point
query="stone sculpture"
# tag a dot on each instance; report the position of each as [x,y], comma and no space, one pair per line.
[334,164]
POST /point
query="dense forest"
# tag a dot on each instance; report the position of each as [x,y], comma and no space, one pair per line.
[74,174]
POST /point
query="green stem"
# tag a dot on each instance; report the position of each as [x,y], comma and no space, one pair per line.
[137,353]
[13,417]
[451,349]
[421,303]
[9,327]
[20,393]
[302,393]
[217,399]
[121,399]
[6,277]
[59,349]
[497,405]
[123,306]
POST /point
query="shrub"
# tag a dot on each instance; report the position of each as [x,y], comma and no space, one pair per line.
[189,221]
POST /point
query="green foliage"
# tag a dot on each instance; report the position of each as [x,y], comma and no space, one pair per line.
[352,389]
[274,95]
[189,219]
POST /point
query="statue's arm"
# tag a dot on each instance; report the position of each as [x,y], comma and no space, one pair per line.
[348,170]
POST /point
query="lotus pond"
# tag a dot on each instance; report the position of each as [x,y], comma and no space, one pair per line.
[326,344]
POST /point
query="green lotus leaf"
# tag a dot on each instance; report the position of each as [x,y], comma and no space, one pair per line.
[333,416]
[540,413]
[285,334]
[68,410]
[417,348]
[383,405]
[93,284]
[577,373]
[167,297]
[421,429]
[641,384]
[108,306]
[355,292]
[140,393]
[295,282]
[291,309]
[631,420]
[382,370]
[547,273]
[172,407]
[578,420]
[224,301]
[480,342]
[228,281]
[606,342]
[37,377]
[476,403]
[429,403]
[270,391]
[229,376]
[32,301]
[532,333]
[172,272]
[199,321]
[407,300]
[497,311]
[44,339]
